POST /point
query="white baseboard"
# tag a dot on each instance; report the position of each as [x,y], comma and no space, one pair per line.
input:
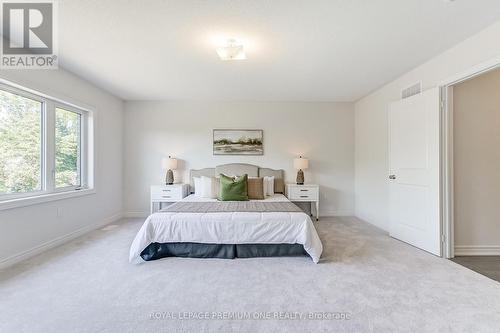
[9,261]
[136,214]
[475,250]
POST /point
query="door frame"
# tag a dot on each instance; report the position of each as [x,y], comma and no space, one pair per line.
[446,151]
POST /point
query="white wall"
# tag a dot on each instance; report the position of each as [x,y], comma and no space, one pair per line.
[25,230]
[322,132]
[371,156]
[476,144]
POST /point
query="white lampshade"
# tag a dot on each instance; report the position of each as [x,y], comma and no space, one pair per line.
[169,163]
[300,163]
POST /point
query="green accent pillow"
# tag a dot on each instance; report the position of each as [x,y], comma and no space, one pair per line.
[233,189]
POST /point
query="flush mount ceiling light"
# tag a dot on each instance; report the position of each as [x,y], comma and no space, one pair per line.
[231,51]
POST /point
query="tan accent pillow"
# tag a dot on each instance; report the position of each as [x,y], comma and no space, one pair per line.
[256,188]
[279,185]
[216,186]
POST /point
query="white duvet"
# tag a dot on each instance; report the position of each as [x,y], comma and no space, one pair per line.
[228,228]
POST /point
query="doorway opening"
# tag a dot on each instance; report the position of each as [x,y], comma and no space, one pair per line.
[470,163]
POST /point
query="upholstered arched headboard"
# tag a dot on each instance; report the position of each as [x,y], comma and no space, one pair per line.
[237,169]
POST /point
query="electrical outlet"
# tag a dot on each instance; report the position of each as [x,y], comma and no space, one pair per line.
[59,212]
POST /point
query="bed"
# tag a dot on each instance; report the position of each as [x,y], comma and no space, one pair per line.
[205,228]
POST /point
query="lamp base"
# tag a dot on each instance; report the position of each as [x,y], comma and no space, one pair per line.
[300,177]
[169,179]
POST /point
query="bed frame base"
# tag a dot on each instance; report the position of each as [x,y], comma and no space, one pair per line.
[156,251]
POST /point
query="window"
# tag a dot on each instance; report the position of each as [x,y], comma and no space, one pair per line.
[43,145]
[20,144]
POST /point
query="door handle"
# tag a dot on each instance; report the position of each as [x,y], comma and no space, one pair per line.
[392,177]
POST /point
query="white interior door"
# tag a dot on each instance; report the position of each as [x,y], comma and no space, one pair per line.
[414,171]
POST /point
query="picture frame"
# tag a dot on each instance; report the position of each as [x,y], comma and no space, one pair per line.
[238,142]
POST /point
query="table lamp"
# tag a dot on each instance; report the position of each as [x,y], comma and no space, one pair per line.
[300,164]
[169,164]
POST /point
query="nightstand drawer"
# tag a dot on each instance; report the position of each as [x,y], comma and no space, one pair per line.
[166,193]
[303,193]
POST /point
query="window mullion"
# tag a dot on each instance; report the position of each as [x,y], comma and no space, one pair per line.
[83,151]
[50,154]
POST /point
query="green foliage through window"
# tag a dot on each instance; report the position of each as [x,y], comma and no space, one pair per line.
[20,143]
[67,148]
[38,141]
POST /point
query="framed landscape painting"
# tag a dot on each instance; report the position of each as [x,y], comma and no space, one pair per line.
[238,142]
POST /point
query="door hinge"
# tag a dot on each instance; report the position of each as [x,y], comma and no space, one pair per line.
[443,238]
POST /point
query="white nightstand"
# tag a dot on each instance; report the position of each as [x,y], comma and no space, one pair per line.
[167,193]
[304,193]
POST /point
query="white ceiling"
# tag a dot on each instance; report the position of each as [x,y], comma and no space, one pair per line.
[298,50]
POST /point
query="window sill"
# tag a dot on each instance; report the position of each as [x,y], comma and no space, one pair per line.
[35,200]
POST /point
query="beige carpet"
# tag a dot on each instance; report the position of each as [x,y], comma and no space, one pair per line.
[366,282]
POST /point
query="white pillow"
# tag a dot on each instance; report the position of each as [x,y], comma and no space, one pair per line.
[268,185]
[208,185]
[198,187]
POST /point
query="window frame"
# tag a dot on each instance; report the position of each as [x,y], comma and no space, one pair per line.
[83,150]
[48,191]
